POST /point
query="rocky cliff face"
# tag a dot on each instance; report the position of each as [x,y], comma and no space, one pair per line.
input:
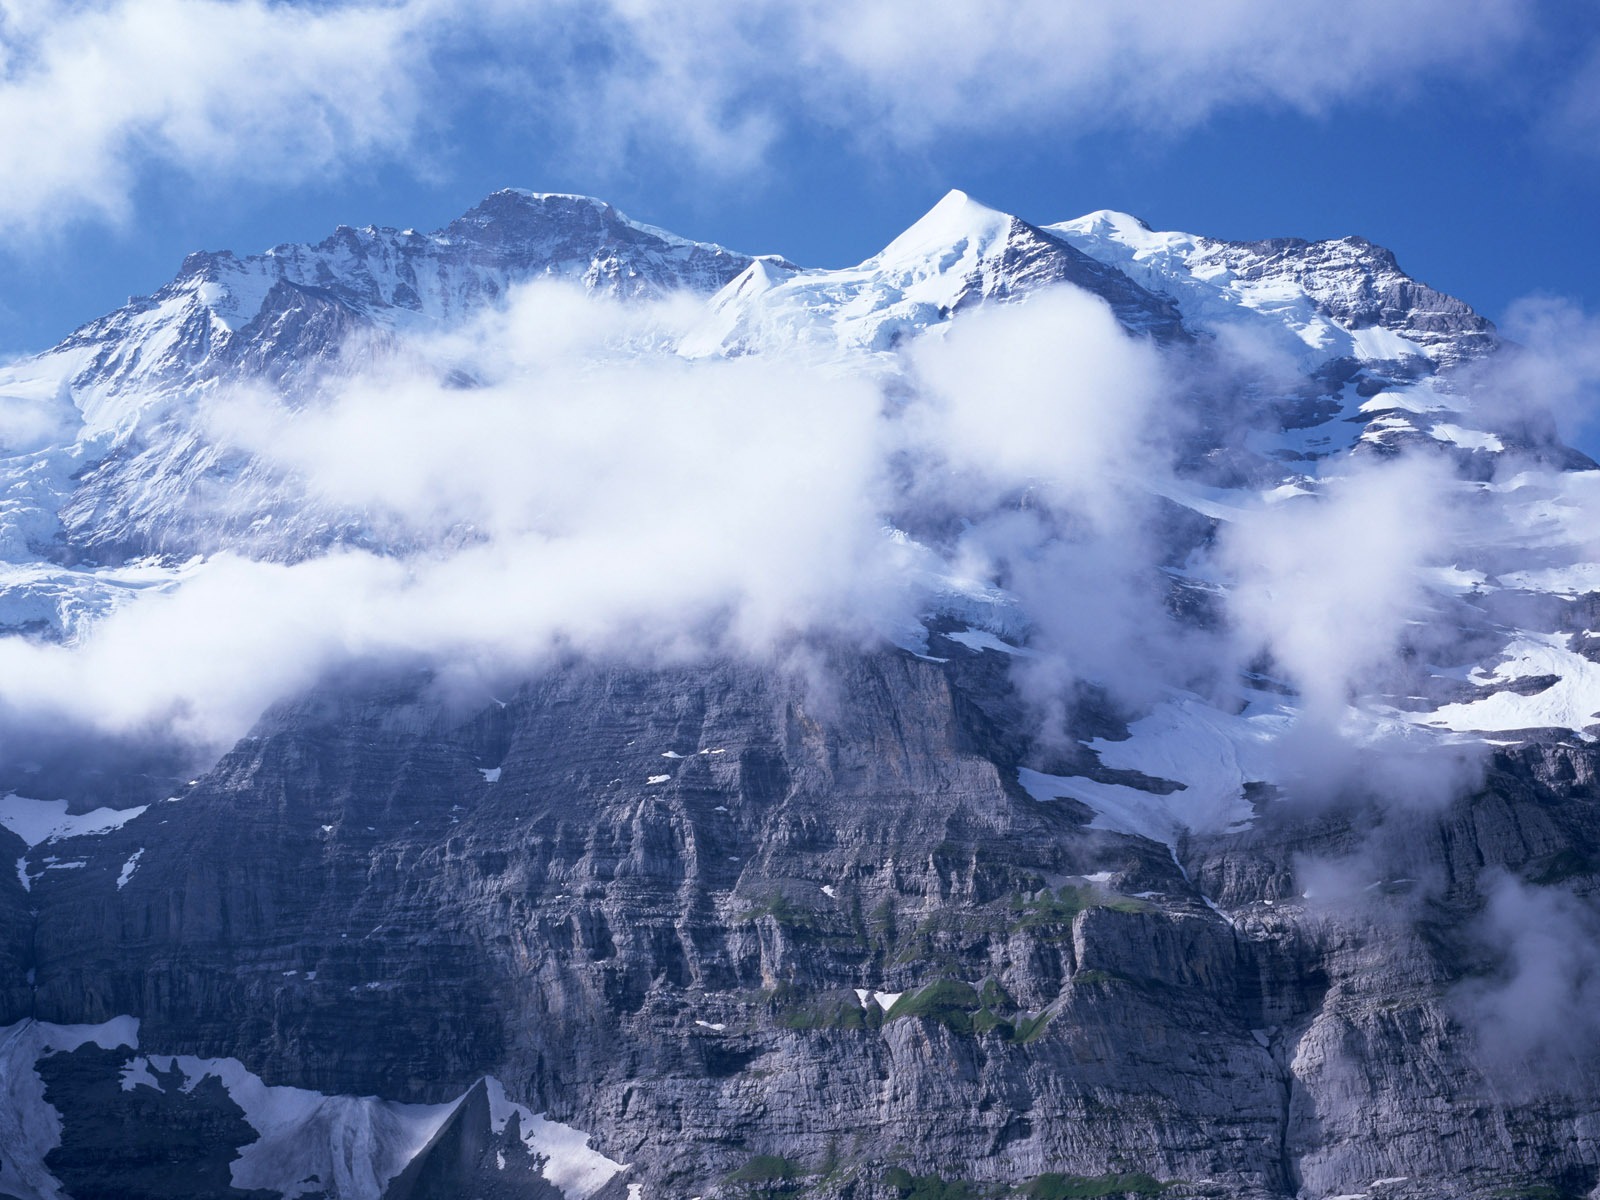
[826,937]
[852,920]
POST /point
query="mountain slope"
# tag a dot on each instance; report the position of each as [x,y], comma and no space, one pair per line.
[1191,790]
[106,446]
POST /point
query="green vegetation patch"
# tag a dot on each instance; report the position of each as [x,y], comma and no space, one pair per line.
[1051,908]
[767,1169]
[949,1002]
[1095,975]
[969,1011]
[1058,908]
[1078,1187]
[926,1187]
[833,1010]
[782,910]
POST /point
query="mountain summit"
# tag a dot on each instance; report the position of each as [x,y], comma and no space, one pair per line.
[547,707]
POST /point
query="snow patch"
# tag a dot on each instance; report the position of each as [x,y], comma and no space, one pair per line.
[137,1074]
[37,821]
[490,774]
[128,868]
[1575,579]
[576,1169]
[982,639]
[1468,439]
[1572,702]
[30,1128]
[1213,754]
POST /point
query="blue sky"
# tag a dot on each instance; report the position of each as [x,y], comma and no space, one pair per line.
[1464,135]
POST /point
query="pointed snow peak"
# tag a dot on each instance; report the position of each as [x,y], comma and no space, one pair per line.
[957,222]
[955,200]
[761,275]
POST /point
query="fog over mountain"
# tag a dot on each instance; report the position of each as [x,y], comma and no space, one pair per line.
[550,706]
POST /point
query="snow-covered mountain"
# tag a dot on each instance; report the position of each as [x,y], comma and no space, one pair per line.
[1312,616]
[284,314]
[110,468]
[958,255]
[103,454]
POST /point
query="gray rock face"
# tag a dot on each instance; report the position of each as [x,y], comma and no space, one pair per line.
[1032,258]
[1361,285]
[654,922]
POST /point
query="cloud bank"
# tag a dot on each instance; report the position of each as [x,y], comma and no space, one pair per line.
[646,505]
[593,492]
[93,93]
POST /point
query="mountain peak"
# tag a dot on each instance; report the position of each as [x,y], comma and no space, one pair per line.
[955,222]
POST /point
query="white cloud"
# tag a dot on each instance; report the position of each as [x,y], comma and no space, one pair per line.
[646,506]
[1163,62]
[1534,1016]
[221,89]
[602,495]
[1042,424]
[1551,372]
[1052,393]
[92,94]
[1329,583]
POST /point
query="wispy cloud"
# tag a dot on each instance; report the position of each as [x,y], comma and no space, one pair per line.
[91,94]
[595,492]
[598,494]
[94,95]
[1534,1011]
